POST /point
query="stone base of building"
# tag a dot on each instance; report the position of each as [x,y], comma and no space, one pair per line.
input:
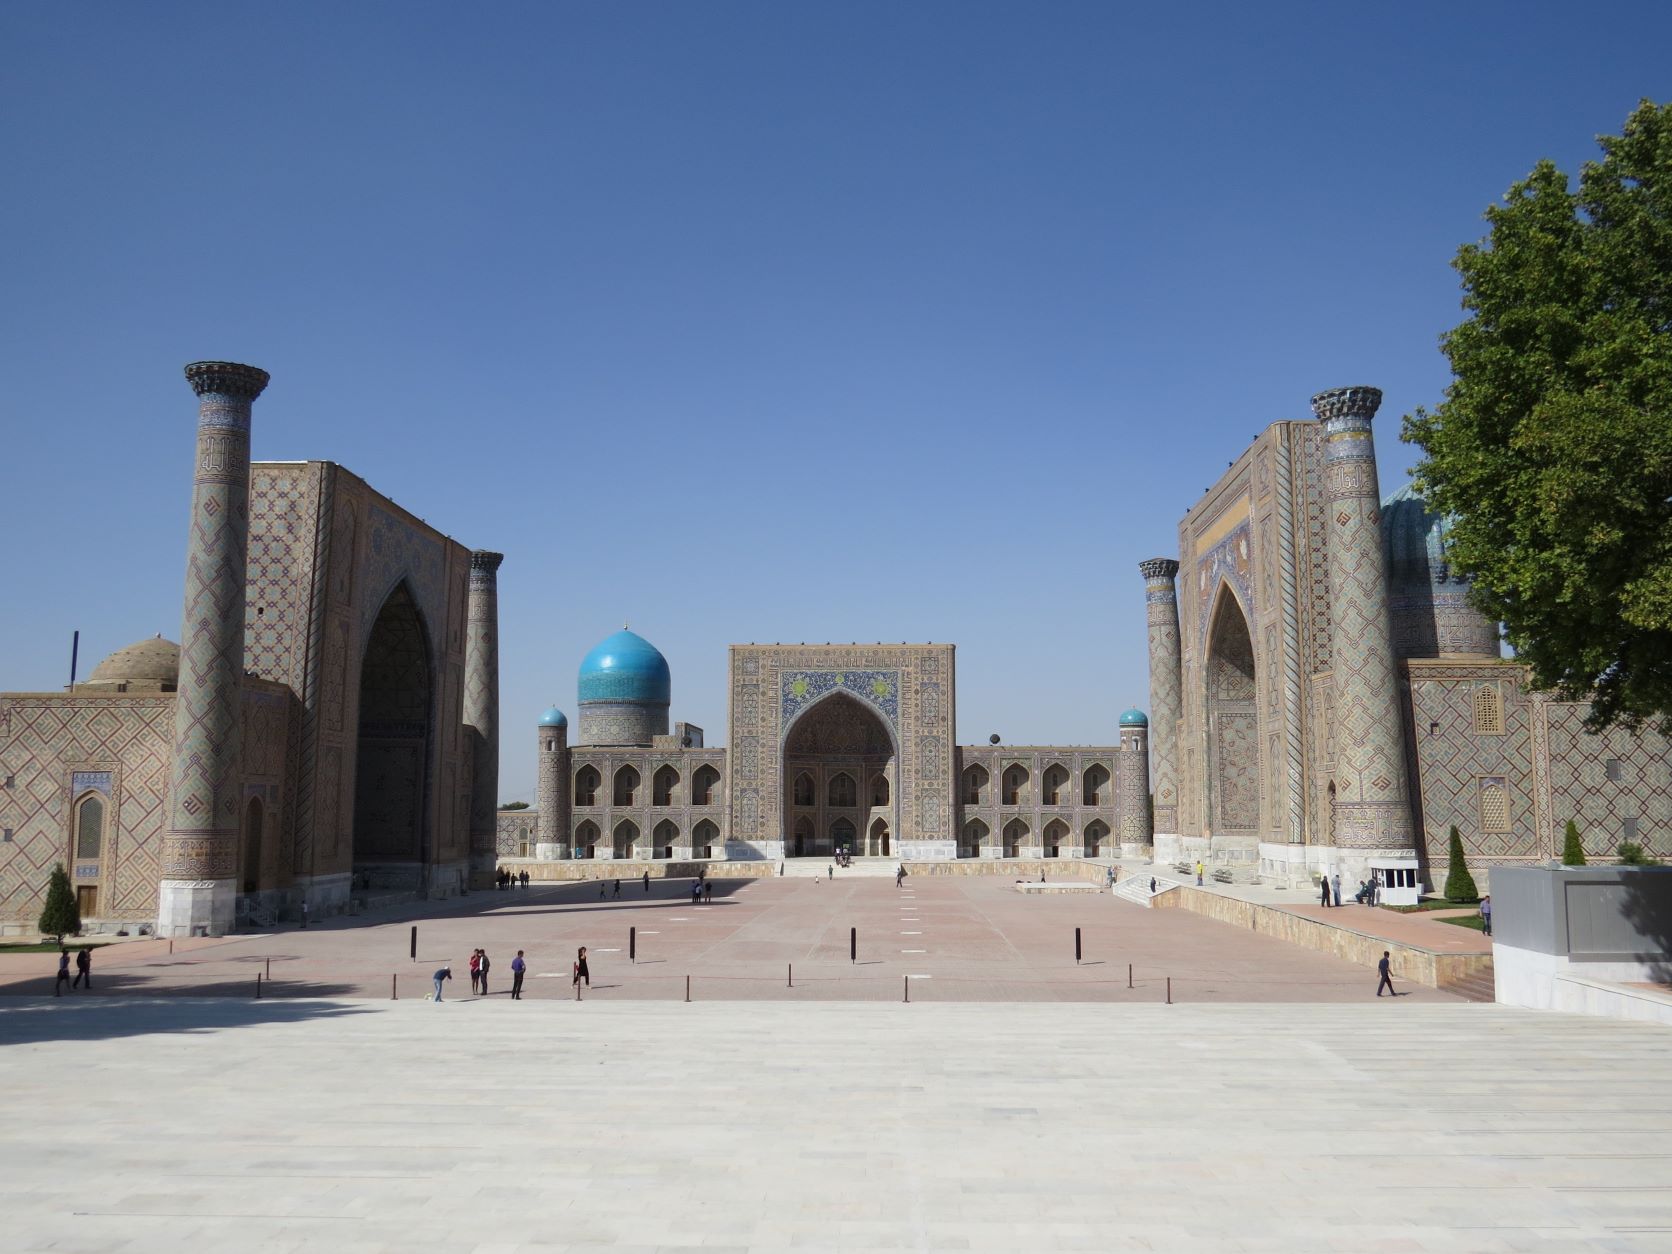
[547,852]
[926,850]
[326,895]
[449,879]
[483,865]
[1168,847]
[1299,866]
[1146,852]
[196,907]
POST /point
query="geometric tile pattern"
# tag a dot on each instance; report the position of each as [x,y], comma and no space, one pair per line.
[1372,807]
[1166,686]
[481,708]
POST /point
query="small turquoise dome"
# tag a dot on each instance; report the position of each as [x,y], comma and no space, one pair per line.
[553,718]
[1134,718]
[626,667]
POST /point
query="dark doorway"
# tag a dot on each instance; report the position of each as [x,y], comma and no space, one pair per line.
[391,820]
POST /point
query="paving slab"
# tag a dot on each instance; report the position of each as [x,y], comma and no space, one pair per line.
[147,1123]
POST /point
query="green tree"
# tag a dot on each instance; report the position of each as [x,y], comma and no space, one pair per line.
[1573,853]
[1630,853]
[514,805]
[1460,885]
[61,916]
[1552,451]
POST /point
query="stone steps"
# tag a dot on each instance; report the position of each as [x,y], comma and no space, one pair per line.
[1478,986]
[819,868]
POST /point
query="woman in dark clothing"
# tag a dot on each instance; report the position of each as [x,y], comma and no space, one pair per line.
[581,973]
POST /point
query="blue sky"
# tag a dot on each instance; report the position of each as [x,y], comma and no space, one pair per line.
[745,322]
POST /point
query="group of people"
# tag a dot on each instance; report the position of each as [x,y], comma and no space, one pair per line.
[83,970]
[1369,891]
[479,966]
[507,879]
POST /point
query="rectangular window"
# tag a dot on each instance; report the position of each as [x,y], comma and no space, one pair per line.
[1489,710]
[1614,769]
[1494,805]
[6,838]
[1628,829]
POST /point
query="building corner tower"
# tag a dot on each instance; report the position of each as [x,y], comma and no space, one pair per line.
[1137,821]
[552,787]
[198,886]
[1371,784]
[1166,694]
[481,711]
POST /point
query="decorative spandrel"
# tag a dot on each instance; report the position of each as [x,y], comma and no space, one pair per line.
[878,689]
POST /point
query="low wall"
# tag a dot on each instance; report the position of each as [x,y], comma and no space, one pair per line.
[1421,966]
[582,869]
[1016,868]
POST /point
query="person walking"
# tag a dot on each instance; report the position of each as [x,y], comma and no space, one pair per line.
[475,971]
[525,879]
[581,973]
[1485,915]
[485,965]
[617,884]
[647,880]
[1386,982]
[1198,872]
[600,890]
[83,968]
[1337,884]
[63,971]
[1152,886]
[446,973]
[696,891]
[707,891]
[518,967]
[1325,883]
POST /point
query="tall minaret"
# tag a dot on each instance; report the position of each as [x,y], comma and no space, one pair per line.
[200,847]
[1166,688]
[481,711]
[552,795]
[1372,790]
[1137,827]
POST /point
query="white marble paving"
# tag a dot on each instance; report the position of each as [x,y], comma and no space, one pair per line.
[476,1126]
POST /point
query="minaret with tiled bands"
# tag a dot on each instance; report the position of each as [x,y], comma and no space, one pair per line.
[552,783]
[198,887]
[1166,688]
[1372,789]
[481,711]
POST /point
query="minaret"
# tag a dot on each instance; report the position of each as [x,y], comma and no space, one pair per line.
[1166,687]
[1372,790]
[552,790]
[1137,827]
[481,711]
[200,847]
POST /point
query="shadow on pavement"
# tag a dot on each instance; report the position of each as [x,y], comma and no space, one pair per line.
[36,1020]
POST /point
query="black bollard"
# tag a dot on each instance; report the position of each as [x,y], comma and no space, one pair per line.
[415,942]
[1129,975]
[687,988]
[269,968]
[791,983]
[393,994]
[632,944]
[1076,946]
[908,989]
[1169,990]
[853,944]
[258,986]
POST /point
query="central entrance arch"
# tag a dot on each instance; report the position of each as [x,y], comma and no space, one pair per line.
[838,780]
[392,824]
[1232,724]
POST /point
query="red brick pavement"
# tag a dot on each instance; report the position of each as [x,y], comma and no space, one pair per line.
[980,940]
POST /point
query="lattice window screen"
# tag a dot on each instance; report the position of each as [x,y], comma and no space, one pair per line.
[1489,711]
[1494,806]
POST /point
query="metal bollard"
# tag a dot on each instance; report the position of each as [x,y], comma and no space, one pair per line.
[393,995]
[258,986]
[853,944]
[1076,946]
[1169,990]
[687,988]
[1129,975]
[792,975]
[908,990]
[632,944]
[415,942]
[577,990]
[269,968]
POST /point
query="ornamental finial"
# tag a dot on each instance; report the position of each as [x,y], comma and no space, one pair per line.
[1158,568]
[1360,402]
[226,378]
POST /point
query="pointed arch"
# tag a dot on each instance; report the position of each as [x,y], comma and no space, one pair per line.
[1095,785]
[626,839]
[625,789]
[806,792]
[664,838]
[703,783]
[1055,837]
[89,827]
[842,793]
[879,789]
[1054,785]
[586,839]
[664,786]
[878,843]
[1014,790]
[1015,838]
[393,823]
[972,838]
[1232,718]
[1096,839]
[975,781]
[704,836]
[587,783]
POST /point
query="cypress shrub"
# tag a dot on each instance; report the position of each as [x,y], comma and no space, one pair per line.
[1572,853]
[61,917]
[1460,885]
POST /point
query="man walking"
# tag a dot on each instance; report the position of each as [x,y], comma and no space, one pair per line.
[1386,982]
[83,969]
[475,971]
[63,971]
[647,880]
[1485,915]
[484,972]
[1338,888]
[707,891]
[1198,872]
[518,966]
[1325,884]
[446,973]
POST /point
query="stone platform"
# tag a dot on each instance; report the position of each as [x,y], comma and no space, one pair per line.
[145,1124]
[1034,886]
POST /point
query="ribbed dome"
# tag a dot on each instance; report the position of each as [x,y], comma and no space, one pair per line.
[553,717]
[153,663]
[626,667]
[1415,540]
[1134,718]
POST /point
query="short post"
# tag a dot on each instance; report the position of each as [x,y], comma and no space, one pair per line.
[908,989]
[258,986]
[1129,975]
[415,942]
[791,983]
[1169,990]
[632,944]
[577,990]
[853,944]
[687,988]
[170,944]
[1076,946]
[393,995]
[269,968]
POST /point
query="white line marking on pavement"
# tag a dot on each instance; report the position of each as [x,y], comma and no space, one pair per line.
[911,933]
[606,951]
[914,951]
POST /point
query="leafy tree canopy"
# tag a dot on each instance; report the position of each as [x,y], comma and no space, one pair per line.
[1552,450]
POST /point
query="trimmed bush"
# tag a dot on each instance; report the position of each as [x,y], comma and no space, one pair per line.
[1630,853]
[61,916]
[1573,854]
[1460,885]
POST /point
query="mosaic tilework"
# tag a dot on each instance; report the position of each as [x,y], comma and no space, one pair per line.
[1576,785]
[879,689]
[1136,826]
[481,706]
[96,781]
[1372,805]
[1161,608]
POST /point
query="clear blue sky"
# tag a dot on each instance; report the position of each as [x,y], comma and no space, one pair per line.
[745,322]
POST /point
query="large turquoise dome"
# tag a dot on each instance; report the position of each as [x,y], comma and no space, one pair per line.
[626,667]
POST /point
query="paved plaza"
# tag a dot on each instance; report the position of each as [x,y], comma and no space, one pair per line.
[152,1124]
[954,938]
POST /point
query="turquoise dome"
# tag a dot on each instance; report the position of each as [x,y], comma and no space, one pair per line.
[1414,541]
[553,718]
[626,667]
[1134,718]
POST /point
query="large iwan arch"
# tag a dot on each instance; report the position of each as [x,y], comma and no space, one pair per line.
[1232,722]
[833,744]
[394,831]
